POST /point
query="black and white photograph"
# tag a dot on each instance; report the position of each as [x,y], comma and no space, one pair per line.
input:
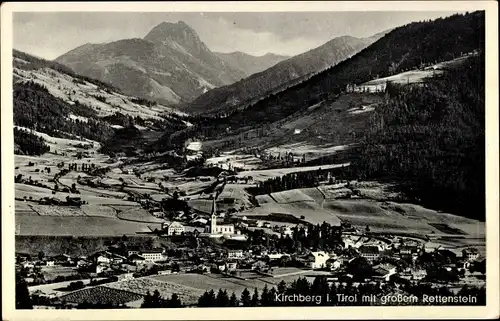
[249,159]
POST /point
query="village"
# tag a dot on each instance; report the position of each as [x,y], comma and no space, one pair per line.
[231,224]
[243,255]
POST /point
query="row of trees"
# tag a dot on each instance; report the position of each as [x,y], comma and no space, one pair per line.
[327,294]
[295,180]
[156,301]
[324,237]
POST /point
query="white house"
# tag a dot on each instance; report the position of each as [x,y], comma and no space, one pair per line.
[370,253]
[235,254]
[418,274]
[317,260]
[165,272]
[286,230]
[174,228]
[103,259]
[153,255]
[50,263]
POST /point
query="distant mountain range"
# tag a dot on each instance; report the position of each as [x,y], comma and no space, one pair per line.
[250,64]
[53,100]
[279,76]
[173,66]
[170,64]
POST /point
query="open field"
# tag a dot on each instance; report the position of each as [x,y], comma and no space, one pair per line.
[32,224]
[291,196]
[312,212]
[51,272]
[54,287]
[138,214]
[380,216]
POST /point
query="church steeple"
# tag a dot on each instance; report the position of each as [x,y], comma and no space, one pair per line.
[213,220]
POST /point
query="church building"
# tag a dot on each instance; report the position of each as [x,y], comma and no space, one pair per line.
[215,229]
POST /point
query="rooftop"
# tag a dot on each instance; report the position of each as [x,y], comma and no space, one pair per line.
[369,249]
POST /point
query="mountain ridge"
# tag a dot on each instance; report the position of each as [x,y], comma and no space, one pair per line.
[170,64]
[251,64]
[224,99]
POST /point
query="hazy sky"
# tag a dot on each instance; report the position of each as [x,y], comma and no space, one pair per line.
[50,34]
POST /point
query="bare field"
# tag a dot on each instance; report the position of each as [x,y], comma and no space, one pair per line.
[138,214]
[291,196]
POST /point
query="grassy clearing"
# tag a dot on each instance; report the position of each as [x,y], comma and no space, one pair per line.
[291,196]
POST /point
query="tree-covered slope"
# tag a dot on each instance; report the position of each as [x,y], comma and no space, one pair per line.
[430,138]
[404,48]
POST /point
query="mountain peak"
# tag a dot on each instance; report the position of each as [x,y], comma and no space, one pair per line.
[179,31]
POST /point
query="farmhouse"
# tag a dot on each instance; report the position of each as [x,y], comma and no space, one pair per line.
[334,264]
[407,250]
[317,260]
[174,228]
[384,271]
[103,258]
[132,250]
[286,230]
[231,266]
[152,255]
[370,253]
[470,254]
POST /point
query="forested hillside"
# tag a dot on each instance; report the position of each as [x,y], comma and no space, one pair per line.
[280,76]
[37,109]
[404,48]
[431,139]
